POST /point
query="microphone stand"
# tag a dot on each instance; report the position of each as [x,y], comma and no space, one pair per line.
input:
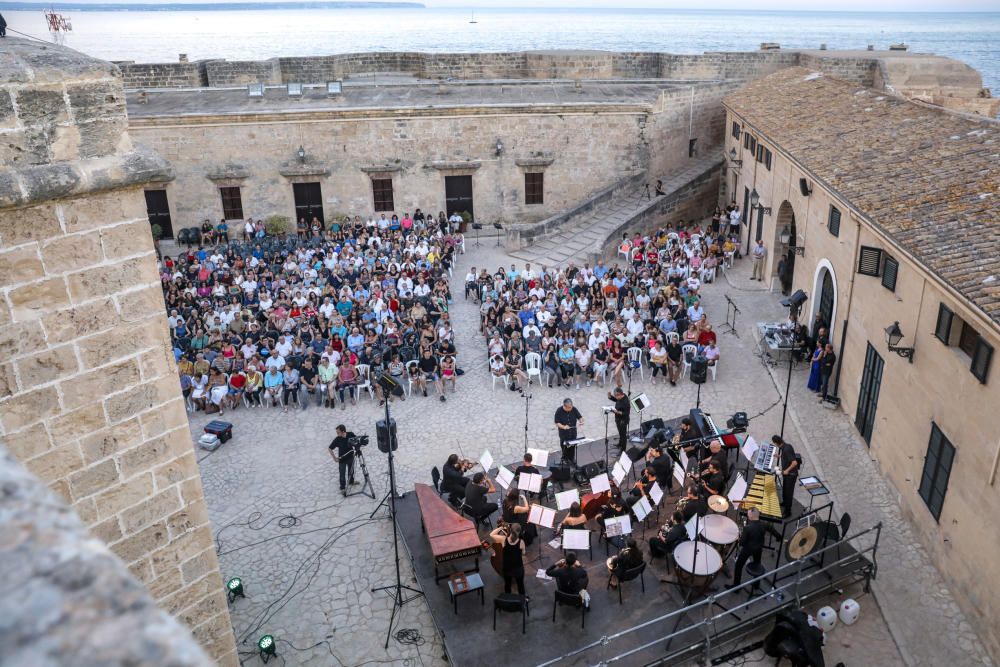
[526,397]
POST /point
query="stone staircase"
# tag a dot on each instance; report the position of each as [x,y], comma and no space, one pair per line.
[587,234]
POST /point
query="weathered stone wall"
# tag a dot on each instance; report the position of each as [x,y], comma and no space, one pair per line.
[740,66]
[860,71]
[165,75]
[74,602]
[89,397]
[238,73]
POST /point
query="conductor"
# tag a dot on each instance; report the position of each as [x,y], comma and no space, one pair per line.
[342,452]
[621,409]
[567,419]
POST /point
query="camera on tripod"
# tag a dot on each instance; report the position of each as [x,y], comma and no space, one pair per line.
[358,441]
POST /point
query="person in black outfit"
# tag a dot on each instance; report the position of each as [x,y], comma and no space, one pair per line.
[789,473]
[626,559]
[528,467]
[621,411]
[826,365]
[453,482]
[695,505]
[3,26]
[712,482]
[716,455]
[476,497]
[567,419]
[512,557]
[342,452]
[571,577]
[663,467]
[751,544]
[669,537]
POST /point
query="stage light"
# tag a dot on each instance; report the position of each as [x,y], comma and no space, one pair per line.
[265,645]
[234,589]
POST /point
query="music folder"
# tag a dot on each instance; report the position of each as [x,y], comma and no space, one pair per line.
[692,527]
[575,539]
[539,457]
[683,457]
[527,481]
[618,526]
[486,460]
[619,472]
[679,473]
[565,499]
[738,491]
[600,483]
[656,494]
[642,508]
[750,448]
[542,516]
[504,477]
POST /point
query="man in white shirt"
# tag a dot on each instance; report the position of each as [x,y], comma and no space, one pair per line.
[455,220]
[528,274]
[634,327]
[275,361]
[583,358]
[695,311]
[327,308]
[758,255]
[531,327]
[283,347]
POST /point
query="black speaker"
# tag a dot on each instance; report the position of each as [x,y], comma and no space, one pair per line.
[795,300]
[594,469]
[804,187]
[389,385]
[560,472]
[699,369]
[650,425]
[740,421]
[386,435]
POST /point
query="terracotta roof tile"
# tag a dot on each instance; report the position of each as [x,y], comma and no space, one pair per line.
[928,178]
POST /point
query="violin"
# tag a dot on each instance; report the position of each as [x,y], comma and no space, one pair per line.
[465,465]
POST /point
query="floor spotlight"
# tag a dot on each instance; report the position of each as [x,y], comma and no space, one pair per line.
[234,589]
[266,647]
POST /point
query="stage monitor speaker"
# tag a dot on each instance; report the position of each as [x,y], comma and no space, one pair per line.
[795,300]
[804,187]
[389,385]
[699,369]
[386,435]
[560,472]
[594,469]
[649,425]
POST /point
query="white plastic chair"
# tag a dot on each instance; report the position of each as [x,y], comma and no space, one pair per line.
[673,337]
[625,250]
[603,374]
[533,366]
[364,382]
[687,353]
[409,376]
[497,377]
[635,355]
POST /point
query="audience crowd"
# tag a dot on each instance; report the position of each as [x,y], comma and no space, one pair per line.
[319,315]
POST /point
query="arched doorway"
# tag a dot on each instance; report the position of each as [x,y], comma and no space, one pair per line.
[824,299]
[783,266]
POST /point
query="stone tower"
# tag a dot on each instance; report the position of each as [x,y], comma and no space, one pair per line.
[89,396]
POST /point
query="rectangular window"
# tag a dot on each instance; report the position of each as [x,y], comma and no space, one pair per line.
[890,271]
[692,147]
[942,330]
[232,203]
[833,223]
[937,470]
[382,194]
[968,339]
[736,130]
[746,140]
[534,188]
[981,358]
[767,159]
[870,261]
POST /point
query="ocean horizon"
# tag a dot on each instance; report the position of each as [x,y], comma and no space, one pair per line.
[141,35]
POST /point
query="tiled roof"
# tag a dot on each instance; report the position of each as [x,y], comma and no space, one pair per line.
[929,178]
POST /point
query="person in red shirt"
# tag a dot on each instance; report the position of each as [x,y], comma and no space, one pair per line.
[237,385]
[706,336]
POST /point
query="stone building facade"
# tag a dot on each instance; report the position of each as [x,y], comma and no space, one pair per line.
[89,399]
[893,205]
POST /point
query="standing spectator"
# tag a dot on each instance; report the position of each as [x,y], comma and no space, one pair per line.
[758,255]
[826,364]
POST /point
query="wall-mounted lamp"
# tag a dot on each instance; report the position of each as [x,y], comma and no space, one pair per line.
[732,158]
[786,238]
[755,203]
[302,154]
[499,147]
[892,337]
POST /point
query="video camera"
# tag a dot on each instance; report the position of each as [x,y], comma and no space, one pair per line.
[358,441]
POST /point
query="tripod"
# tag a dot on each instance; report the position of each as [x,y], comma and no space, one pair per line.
[400,594]
[364,471]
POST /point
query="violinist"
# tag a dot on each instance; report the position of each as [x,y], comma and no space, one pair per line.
[515,510]
[476,498]
[454,481]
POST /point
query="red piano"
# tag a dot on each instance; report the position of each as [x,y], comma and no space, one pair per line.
[451,536]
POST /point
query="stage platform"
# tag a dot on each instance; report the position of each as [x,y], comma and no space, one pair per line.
[470,640]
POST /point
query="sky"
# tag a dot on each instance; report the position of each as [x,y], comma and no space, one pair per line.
[743,5]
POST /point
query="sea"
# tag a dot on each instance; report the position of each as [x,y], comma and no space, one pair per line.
[159,36]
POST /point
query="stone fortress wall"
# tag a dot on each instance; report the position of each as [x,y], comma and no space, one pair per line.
[89,398]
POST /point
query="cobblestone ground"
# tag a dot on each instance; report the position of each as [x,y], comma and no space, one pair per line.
[309,557]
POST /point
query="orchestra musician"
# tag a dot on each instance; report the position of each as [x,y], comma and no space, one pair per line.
[712,482]
[626,559]
[789,473]
[574,519]
[693,504]
[512,556]
[716,454]
[641,486]
[528,467]
[453,479]
[622,409]
[751,544]
[672,534]
[663,467]
[615,507]
[515,510]
[567,419]
[571,577]
[686,433]
[476,498]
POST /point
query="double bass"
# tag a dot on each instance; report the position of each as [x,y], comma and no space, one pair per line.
[495,545]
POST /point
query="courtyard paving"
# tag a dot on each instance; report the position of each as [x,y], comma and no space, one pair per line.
[309,557]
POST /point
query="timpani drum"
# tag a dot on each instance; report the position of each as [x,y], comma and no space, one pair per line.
[721,532]
[697,564]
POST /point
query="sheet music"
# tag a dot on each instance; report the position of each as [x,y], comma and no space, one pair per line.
[565,499]
[682,455]
[600,484]
[656,494]
[505,476]
[575,539]
[738,491]
[540,574]
[539,457]
[486,460]
[691,527]
[618,526]
[618,473]
[642,508]
[750,448]
[542,516]
[626,462]
[529,482]
[679,473]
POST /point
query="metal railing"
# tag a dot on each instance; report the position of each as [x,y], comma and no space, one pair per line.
[800,575]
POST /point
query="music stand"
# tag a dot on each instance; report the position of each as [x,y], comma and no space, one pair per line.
[476,226]
[639,403]
[497,226]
